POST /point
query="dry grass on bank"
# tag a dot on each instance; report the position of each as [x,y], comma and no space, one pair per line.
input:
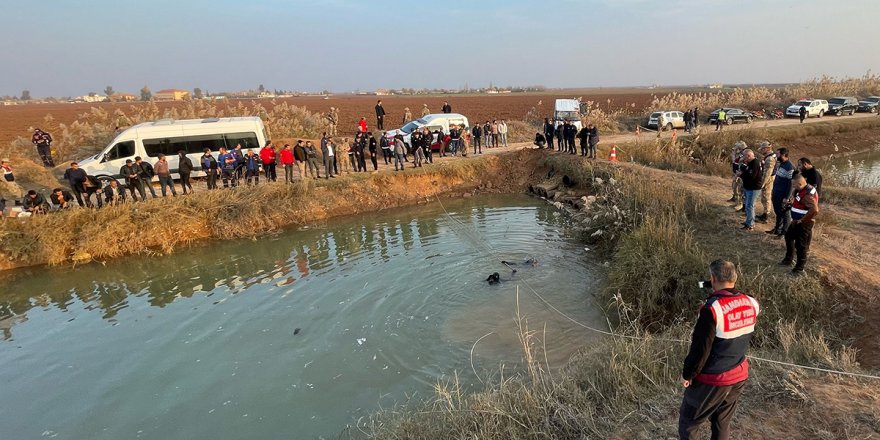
[158,226]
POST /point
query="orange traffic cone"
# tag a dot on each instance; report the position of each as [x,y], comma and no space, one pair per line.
[613,156]
[674,137]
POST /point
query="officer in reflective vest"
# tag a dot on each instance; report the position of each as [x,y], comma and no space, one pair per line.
[715,369]
[804,208]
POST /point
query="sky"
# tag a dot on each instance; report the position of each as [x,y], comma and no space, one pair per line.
[70,48]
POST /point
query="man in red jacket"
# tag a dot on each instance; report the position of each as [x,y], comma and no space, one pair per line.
[267,155]
[715,369]
[287,163]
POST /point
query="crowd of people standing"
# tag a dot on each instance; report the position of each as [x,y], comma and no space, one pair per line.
[792,191]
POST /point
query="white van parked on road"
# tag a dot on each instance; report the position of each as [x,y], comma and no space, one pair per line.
[569,110]
[167,136]
[438,121]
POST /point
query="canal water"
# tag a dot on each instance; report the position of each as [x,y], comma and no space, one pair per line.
[863,168]
[291,335]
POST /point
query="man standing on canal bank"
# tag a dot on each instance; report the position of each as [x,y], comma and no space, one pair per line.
[380,116]
[716,369]
[804,208]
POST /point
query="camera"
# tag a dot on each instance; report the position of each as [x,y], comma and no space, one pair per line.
[704,284]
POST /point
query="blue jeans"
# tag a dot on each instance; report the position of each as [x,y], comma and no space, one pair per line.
[749,196]
[167,182]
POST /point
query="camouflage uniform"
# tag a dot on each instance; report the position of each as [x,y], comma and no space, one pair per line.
[407,115]
[425,111]
[332,121]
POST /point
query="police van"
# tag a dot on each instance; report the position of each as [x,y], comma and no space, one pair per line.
[167,136]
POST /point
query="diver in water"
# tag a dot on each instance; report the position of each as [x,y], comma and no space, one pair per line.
[495,278]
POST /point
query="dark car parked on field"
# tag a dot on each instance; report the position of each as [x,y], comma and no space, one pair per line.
[869,104]
[843,105]
[732,116]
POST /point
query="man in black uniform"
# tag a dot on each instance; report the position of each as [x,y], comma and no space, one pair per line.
[446,107]
[716,369]
[380,115]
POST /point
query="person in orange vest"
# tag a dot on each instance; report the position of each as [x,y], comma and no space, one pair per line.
[716,368]
[804,208]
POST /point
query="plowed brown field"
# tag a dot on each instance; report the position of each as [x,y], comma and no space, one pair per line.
[17,120]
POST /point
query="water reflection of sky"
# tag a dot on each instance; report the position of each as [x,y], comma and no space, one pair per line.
[238,265]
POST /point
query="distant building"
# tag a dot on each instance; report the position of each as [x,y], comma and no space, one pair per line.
[716,86]
[384,92]
[171,95]
[123,97]
[90,98]
[265,95]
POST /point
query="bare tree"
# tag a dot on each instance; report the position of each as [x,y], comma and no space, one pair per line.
[146,94]
[25,95]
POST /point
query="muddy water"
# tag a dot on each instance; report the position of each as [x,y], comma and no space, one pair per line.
[292,335]
[862,167]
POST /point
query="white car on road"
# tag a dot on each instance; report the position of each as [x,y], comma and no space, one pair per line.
[671,119]
[815,107]
[438,121]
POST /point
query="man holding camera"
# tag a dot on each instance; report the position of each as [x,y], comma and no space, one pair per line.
[715,369]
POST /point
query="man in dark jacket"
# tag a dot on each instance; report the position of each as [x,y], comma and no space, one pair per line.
[487,135]
[147,173]
[560,137]
[548,133]
[594,140]
[251,164]
[584,138]
[813,176]
[299,158]
[34,203]
[210,167]
[781,192]
[132,174]
[716,368]
[373,150]
[802,112]
[570,136]
[446,107]
[228,168]
[380,115]
[477,136]
[184,169]
[61,199]
[751,178]
[77,179]
[386,148]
